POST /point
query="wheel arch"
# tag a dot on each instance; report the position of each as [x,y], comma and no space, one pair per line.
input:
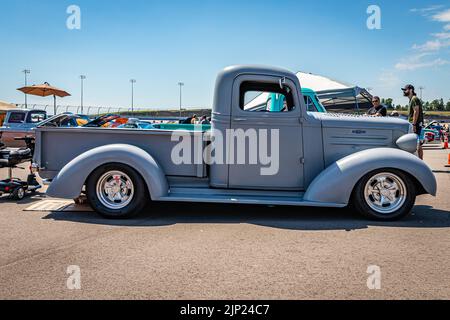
[71,179]
[336,183]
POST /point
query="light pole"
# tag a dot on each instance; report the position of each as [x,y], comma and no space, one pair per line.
[181,84]
[421,91]
[26,72]
[133,81]
[82,78]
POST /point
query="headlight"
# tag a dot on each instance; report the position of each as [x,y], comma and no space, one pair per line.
[408,143]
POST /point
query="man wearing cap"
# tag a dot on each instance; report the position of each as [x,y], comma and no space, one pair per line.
[415,116]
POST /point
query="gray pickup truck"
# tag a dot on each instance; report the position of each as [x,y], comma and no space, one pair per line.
[250,156]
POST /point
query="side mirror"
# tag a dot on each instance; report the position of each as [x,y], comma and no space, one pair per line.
[283,85]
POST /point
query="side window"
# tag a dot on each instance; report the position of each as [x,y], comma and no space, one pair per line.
[265,97]
[310,106]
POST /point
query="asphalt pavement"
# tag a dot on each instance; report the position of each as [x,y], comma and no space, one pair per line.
[197,251]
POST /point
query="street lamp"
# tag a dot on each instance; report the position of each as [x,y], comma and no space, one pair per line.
[133,81]
[181,84]
[82,77]
[26,72]
[421,92]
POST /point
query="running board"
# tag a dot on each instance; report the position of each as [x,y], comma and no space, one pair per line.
[243,197]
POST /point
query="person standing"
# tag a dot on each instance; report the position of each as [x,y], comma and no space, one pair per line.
[415,116]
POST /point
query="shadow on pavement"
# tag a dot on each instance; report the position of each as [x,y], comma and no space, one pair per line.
[289,218]
[29,198]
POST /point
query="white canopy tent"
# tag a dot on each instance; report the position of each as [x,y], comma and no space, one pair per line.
[336,94]
[4,106]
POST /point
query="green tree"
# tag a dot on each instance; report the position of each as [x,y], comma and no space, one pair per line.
[434,105]
[388,102]
[441,105]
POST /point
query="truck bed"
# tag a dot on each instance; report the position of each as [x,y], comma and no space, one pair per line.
[56,147]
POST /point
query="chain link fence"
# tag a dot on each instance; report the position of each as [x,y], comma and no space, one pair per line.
[87,110]
[93,111]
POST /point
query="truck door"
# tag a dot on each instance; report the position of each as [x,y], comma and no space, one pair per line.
[266,126]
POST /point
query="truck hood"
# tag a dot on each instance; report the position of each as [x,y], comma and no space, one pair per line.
[335,120]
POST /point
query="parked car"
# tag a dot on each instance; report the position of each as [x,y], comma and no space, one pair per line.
[20,123]
[10,134]
[134,123]
[311,159]
[433,133]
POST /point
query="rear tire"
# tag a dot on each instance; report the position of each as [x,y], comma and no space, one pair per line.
[116,191]
[384,195]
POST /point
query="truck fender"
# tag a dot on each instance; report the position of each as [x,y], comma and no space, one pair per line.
[71,179]
[336,183]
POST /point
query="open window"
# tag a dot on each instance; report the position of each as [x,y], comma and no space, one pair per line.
[266,97]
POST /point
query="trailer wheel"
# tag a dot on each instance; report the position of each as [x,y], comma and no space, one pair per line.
[116,191]
[385,195]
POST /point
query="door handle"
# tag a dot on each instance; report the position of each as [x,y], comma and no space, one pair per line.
[239,119]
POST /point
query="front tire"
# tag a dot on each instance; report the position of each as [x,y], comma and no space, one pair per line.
[385,195]
[19,193]
[116,191]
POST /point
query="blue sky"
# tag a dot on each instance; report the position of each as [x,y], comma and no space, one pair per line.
[160,43]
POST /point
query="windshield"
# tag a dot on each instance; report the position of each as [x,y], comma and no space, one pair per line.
[16,117]
[313,103]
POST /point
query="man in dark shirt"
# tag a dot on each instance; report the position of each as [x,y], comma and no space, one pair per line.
[415,116]
[378,109]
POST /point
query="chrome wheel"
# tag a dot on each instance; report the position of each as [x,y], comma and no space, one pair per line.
[20,193]
[115,190]
[385,193]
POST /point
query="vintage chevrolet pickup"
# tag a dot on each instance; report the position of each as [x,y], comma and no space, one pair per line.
[250,156]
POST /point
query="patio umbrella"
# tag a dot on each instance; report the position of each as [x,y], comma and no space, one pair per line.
[45,90]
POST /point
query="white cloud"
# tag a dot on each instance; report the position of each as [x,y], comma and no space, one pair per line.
[388,79]
[427,10]
[414,65]
[442,35]
[443,16]
[432,45]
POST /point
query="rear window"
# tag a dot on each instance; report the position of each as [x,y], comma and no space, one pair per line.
[16,117]
[36,117]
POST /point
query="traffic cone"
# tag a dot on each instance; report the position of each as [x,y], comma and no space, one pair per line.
[448,163]
[446,142]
